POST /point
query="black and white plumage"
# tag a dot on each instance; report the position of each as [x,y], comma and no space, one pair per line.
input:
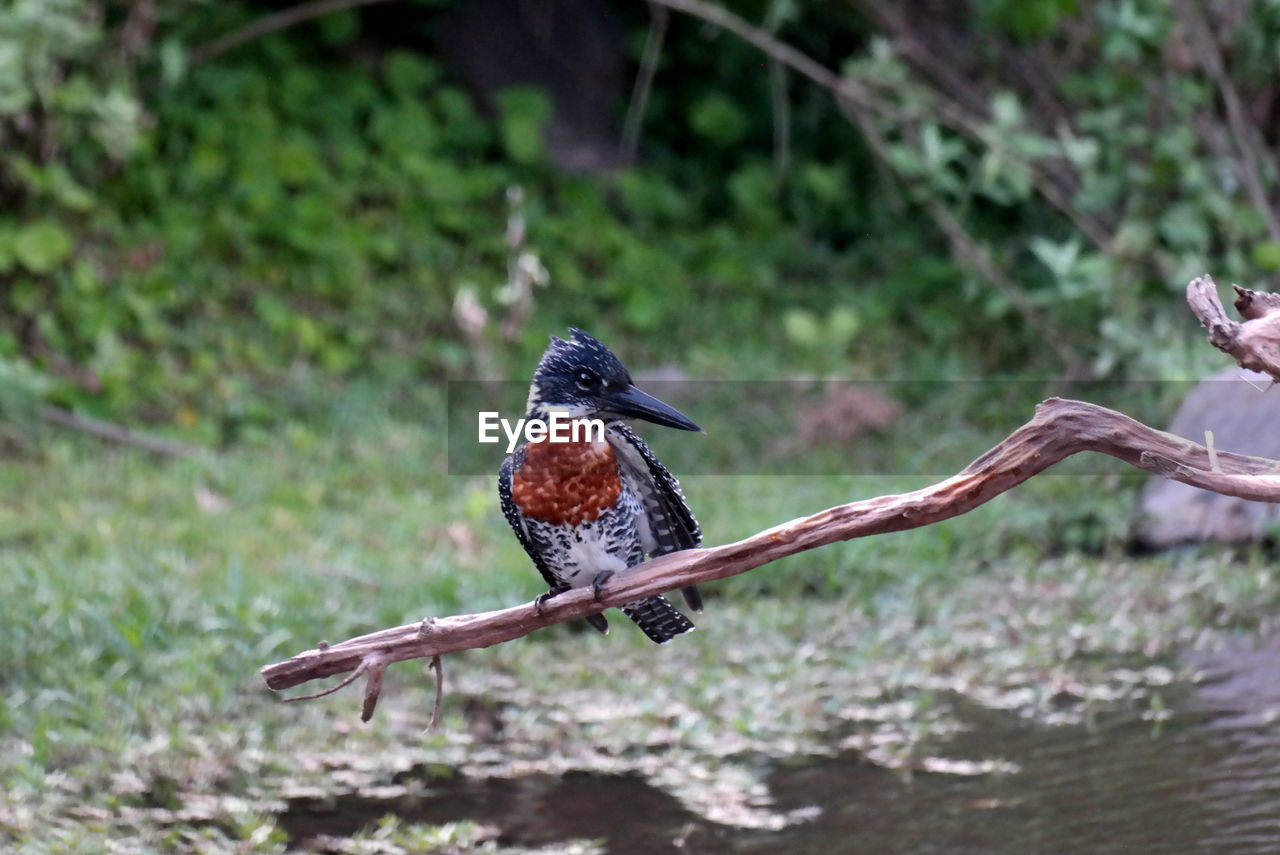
[666,523]
[585,511]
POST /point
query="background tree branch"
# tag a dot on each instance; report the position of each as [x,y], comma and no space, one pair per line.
[274,22]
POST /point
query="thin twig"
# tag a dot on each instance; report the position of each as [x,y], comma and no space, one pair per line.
[1255,160]
[375,666]
[347,681]
[945,110]
[649,59]
[976,256]
[943,59]
[853,94]
[437,666]
[274,22]
[118,433]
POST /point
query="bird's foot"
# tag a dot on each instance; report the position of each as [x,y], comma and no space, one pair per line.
[597,584]
[540,601]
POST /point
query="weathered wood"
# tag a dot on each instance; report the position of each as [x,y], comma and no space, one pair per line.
[1060,429]
[1254,344]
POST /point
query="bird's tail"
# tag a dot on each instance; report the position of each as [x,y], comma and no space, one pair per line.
[660,620]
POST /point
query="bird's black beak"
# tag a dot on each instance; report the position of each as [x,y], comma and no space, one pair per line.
[631,403]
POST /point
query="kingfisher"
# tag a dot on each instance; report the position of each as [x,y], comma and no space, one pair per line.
[585,510]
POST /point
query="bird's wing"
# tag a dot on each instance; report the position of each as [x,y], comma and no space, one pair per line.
[671,525]
[666,524]
[512,513]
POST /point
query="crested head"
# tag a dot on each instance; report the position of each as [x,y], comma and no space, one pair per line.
[573,376]
[581,379]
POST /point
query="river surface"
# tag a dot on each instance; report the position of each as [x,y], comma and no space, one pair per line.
[1205,781]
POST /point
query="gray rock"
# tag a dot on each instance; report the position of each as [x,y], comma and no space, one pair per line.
[1243,419]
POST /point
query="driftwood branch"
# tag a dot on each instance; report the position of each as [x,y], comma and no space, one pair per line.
[1060,429]
[1255,343]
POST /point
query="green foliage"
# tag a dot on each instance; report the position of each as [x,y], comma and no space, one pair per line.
[1026,19]
[38,247]
[21,388]
[282,219]
[178,240]
[50,52]
[1101,211]
[523,112]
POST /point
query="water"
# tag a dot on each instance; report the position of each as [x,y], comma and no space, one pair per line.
[534,810]
[1208,781]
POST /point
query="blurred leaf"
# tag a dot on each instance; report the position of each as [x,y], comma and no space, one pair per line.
[718,119]
[1006,112]
[1184,227]
[339,28]
[173,61]
[40,247]
[842,325]
[408,73]
[1027,19]
[1060,258]
[524,112]
[1267,256]
[802,327]
[21,387]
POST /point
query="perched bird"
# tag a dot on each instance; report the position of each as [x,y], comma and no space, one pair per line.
[586,510]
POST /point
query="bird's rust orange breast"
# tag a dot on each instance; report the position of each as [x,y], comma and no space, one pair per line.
[566,482]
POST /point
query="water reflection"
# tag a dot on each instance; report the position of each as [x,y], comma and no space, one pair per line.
[1208,781]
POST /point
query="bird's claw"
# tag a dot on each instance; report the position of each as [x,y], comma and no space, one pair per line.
[597,584]
[540,601]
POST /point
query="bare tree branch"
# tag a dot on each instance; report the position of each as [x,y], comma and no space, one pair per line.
[970,252]
[854,97]
[438,666]
[947,111]
[274,22]
[1255,160]
[1060,429]
[644,81]
[118,433]
[1254,344]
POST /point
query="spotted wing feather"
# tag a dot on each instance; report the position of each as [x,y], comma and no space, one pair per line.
[669,526]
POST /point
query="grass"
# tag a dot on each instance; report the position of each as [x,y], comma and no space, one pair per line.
[142,596]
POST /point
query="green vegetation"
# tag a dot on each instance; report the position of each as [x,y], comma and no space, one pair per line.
[302,211]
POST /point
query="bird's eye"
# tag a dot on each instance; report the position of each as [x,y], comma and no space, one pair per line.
[587,380]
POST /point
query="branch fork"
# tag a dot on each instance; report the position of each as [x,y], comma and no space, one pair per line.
[1253,343]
